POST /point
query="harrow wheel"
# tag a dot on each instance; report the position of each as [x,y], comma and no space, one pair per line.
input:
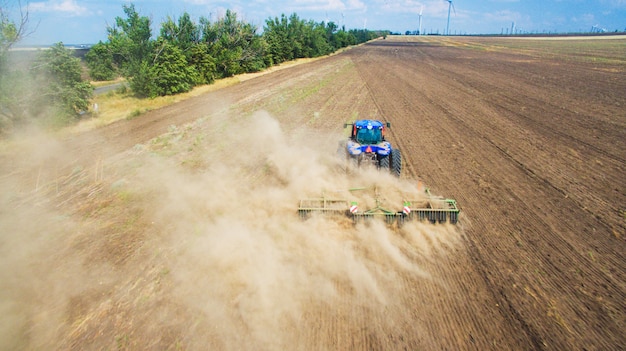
[442,217]
[454,217]
[390,218]
[432,217]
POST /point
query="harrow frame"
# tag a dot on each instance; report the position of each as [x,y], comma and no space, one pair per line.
[434,209]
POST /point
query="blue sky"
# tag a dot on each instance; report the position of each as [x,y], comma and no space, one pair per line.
[85,21]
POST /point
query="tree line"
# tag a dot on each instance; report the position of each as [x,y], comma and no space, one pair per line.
[184,54]
[188,53]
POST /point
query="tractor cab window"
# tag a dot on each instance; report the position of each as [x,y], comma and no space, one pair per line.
[369,136]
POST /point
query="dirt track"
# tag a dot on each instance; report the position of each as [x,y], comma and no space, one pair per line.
[531,146]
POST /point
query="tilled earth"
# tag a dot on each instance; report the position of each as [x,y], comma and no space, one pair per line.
[178,229]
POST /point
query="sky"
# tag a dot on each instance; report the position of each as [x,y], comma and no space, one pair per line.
[86,21]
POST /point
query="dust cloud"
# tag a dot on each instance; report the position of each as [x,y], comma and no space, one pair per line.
[247,265]
[41,268]
[223,259]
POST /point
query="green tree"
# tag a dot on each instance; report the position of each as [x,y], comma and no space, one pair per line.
[185,34]
[16,97]
[14,93]
[170,70]
[204,64]
[319,42]
[8,35]
[142,82]
[234,44]
[100,62]
[60,88]
[297,31]
[10,31]
[292,38]
[341,39]
[130,40]
[276,35]
[331,28]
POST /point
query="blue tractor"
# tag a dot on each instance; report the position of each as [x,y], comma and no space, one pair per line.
[367,147]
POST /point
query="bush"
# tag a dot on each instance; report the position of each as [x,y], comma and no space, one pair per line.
[143,82]
[100,63]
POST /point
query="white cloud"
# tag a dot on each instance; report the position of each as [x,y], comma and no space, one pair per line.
[356,5]
[69,7]
[199,2]
[413,6]
[328,5]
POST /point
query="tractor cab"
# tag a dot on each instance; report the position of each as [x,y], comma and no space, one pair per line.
[367,146]
[368,132]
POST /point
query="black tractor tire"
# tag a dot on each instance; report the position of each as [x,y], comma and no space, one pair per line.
[383,162]
[396,162]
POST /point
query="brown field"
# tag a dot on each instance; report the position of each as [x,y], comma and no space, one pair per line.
[177,230]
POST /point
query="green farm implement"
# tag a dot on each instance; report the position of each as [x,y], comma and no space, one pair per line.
[361,207]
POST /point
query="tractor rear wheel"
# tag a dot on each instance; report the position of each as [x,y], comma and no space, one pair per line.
[383,162]
[396,162]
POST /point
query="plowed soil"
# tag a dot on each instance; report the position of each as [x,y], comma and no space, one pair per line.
[178,229]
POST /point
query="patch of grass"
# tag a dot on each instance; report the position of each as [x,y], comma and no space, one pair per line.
[165,144]
[122,342]
[197,142]
[311,89]
[123,89]
[591,256]
[134,114]
[124,196]
[193,163]
[107,82]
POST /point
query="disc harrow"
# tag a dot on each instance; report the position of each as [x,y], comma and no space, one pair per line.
[434,209]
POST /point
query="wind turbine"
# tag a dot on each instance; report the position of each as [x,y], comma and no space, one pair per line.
[420,30]
[450,5]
